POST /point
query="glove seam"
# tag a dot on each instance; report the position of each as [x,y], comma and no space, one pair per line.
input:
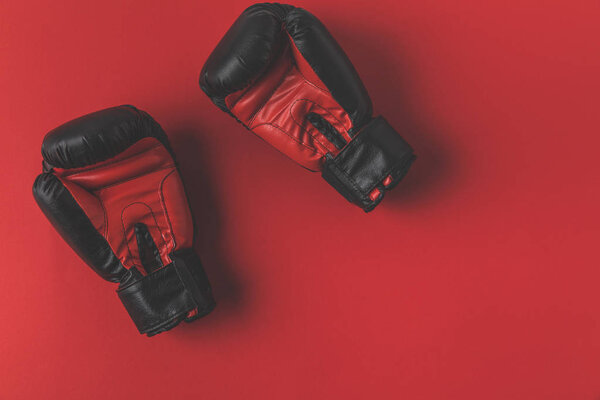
[267,98]
[245,91]
[91,167]
[161,196]
[105,214]
[293,43]
[245,86]
[290,136]
[140,117]
[170,166]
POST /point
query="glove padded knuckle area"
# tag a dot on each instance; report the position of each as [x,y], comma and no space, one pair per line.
[330,63]
[99,136]
[161,300]
[260,36]
[244,52]
[375,161]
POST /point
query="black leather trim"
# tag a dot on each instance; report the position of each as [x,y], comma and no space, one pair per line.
[254,40]
[375,153]
[244,52]
[161,300]
[330,63]
[74,226]
[99,136]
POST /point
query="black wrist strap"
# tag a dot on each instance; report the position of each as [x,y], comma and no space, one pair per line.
[374,161]
[177,292]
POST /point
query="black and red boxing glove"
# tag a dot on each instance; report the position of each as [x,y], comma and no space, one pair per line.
[280,73]
[111,188]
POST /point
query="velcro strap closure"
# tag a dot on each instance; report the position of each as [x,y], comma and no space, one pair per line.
[374,161]
[161,300]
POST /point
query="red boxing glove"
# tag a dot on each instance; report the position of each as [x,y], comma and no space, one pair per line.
[280,73]
[112,190]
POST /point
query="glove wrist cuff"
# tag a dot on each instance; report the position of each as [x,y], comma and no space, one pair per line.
[374,161]
[177,292]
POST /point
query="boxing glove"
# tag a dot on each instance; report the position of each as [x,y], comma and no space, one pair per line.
[281,74]
[112,190]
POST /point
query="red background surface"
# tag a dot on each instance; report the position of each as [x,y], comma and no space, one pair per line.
[477,277]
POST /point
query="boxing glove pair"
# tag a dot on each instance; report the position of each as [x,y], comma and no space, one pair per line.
[110,184]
